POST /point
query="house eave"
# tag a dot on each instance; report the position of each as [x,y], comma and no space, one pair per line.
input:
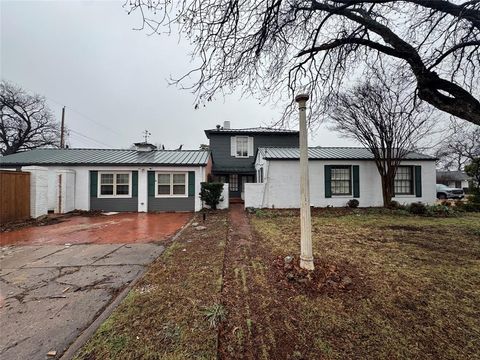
[342,159]
[10,165]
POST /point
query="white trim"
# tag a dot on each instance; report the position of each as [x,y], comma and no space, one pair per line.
[236,147]
[250,146]
[171,195]
[114,184]
[350,195]
[233,146]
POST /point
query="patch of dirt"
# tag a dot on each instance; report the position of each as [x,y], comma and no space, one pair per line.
[45,220]
[326,279]
[84,213]
[42,221]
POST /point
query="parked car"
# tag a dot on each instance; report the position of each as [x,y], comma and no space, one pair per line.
[444,192]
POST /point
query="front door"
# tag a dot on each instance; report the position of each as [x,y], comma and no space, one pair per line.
[233,187]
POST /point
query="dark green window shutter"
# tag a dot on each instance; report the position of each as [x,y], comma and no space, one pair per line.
[418,181]
[134,183]
[191,183]
[151,183]
[93,183]
[328,181]
[356,181]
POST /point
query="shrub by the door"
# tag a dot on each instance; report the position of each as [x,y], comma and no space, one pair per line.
[211,193]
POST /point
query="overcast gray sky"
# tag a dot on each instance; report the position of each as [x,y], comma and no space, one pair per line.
[112,79]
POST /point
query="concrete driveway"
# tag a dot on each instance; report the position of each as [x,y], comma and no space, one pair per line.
[49,294]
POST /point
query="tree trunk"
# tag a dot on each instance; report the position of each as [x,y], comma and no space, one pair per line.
[387,190]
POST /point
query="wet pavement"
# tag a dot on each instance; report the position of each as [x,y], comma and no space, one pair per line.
[121,228]
[49,294]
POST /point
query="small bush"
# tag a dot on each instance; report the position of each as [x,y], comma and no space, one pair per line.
[211,194]
[460,205]
[473,202]
[446,203]
[440,211]
[417,208]
[260,212]
[468,206]
[353,203]
[394,205]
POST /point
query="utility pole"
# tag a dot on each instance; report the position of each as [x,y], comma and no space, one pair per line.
[306,253]
[62,130]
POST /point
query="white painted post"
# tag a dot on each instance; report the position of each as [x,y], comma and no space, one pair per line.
[142,190]
[306,253]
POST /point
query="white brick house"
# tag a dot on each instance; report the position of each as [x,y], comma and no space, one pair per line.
[336,176]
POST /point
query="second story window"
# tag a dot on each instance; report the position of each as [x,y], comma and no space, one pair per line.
[242,146]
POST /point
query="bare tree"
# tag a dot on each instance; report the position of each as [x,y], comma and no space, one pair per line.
[473,169]
[384,118]
[276,46]
[25,121]
[461,145]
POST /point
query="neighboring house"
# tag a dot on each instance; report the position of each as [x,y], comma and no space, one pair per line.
[453,179]
[143,179]
[233,152]
[336,175]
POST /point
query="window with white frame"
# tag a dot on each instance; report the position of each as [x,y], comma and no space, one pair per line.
[115,184]
[341,180]
[171,184]
[404,180]
[242,146]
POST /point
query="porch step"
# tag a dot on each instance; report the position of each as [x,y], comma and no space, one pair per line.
[236,201]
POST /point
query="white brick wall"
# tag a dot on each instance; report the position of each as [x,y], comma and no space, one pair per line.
[254,193]
[282,185]
[81,184]
[65,191]
[225,194]
[38,190]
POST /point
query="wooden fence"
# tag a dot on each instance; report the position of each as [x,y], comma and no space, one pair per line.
[14,196]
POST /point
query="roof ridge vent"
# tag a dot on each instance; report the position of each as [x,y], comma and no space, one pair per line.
[144,146]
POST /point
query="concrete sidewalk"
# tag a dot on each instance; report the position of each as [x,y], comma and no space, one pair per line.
[50,294]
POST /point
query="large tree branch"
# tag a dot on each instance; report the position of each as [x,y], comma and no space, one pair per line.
[452,50]
[352,41]
[461,103]
[462,11]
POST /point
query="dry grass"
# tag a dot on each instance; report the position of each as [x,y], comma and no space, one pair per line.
[163,317]
[415,292]
[420,291]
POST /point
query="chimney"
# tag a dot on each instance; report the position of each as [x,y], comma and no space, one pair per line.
[226,125]
[144,146]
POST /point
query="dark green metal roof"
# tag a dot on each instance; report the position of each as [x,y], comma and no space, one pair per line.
[252,131]
[329,153]
[85,157]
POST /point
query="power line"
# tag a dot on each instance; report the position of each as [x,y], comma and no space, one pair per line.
[89,138]
[75,111]
[81,141]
